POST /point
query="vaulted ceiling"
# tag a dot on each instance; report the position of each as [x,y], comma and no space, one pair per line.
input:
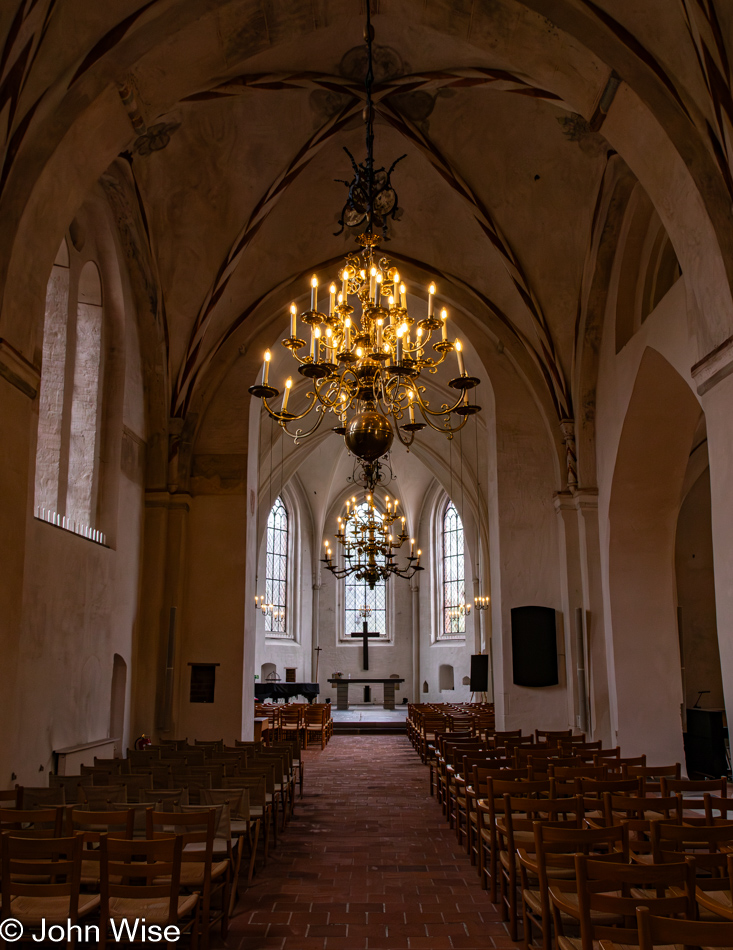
[217,130]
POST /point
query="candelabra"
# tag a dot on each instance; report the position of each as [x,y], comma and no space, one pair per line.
[365,368]
[270,610]
[482,603]
[369,544]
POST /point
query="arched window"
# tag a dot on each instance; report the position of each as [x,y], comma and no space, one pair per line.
[454,582]
[361,600]
[67,453]
[276,569]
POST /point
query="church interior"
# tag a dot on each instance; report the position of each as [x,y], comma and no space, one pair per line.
[366,377]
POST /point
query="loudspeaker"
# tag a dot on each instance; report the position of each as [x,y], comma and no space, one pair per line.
[479,673]
[534,646]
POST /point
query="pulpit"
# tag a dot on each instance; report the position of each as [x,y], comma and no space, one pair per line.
[342,690]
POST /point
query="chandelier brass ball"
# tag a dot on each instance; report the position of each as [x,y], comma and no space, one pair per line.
[369,436]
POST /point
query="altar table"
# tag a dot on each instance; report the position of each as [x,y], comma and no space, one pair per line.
[342,690]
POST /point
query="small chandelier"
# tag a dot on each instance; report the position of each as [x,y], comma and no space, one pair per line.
[482,602]
[270,610]
[369,545]
[365,611]
[365,368]
[461,610]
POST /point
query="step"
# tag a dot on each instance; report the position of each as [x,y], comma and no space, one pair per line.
[369,728]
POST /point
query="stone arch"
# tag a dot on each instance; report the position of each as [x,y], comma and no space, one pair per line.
[651,462]
[446,679]
[644,121]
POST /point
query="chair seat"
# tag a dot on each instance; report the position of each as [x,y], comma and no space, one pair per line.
[534,900]
[192,873]
[54,910]
[154,911]
[574,943]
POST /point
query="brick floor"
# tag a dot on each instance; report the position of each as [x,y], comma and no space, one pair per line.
[366,863]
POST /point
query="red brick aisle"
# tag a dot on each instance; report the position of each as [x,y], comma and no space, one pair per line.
[367,862]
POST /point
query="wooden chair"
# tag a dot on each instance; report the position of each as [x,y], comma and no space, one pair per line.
[199,872]
[708,845]
[118,766]
[291,722]
[663,931]
[517,834]
[718,903]
[554,857]
[609,889]
[259,808]
[544,735]
[315,726]
[40,797]
[638,814]
[141,879]
[91,826]
[41,882]
[653,774]
[242,826]
[100,796]
[34,822]
[692,793]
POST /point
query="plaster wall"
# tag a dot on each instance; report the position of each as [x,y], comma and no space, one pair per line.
[212,627]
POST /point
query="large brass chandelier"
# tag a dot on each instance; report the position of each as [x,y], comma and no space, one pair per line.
[366,352]
[369,543]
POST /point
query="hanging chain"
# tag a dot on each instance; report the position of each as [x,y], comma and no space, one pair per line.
[369,117]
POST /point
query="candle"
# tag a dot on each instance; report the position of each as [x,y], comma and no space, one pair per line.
[380,324]
[266,368]
[419,343]
[444,318]
[293,321]
[412,546]
[403,296]
[431,293]
[398,347]
[332,291]
[459,355]
[314,292]
[347,333]
[317,345]
[411,410]
[286,395]
[313,344]
[379,288]
[372,282]
[329,341]
[345,275]
[406,331]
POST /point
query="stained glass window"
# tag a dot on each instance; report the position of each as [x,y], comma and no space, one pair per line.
[276,569]
[358,595]
[454,583]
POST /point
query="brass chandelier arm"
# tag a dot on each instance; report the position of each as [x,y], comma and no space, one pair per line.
[299,433]
[289,417]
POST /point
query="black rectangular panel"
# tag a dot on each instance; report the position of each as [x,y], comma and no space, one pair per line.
[479,673]
[534,646]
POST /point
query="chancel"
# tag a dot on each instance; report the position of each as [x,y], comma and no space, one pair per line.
[397,325]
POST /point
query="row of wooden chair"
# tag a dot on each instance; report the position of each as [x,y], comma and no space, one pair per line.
[309,722]
[570,837]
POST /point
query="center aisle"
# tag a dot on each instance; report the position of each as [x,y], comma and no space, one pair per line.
[367,862]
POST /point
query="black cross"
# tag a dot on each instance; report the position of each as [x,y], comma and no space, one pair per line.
[366,633]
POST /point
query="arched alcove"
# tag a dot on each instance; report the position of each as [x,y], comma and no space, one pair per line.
[446,679]
[651,463]
[118,693]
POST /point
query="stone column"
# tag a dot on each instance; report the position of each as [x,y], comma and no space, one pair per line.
[714,379]
[19,382]
[415,591]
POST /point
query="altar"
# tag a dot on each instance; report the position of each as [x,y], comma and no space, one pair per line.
[342,690]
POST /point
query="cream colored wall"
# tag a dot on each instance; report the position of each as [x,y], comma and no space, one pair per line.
[212,626]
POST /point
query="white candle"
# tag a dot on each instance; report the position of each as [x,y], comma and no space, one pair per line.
[380,323]
[266,368]
[398,347]
[317,344]
[444,318]
[411,410]
[347,333]
[431,293]
[286,395]
[372,283]
[293,321]
[459,355]
[403,296]
[314,292]
[332,291]
[345,275]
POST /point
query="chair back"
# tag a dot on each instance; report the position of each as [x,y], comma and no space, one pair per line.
[40,797]
[148,869]
[26,866]
[665,931]
[98,796]
[34,822]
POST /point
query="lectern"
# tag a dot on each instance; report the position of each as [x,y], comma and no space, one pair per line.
[705,742]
